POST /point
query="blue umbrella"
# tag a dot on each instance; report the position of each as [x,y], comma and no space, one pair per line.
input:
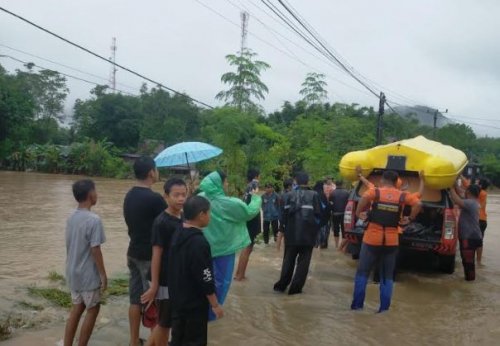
[185,153]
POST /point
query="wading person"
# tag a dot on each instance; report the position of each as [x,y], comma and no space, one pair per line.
[287,187]
[271,211]
[84,264]
[338,199]
[325,215]
[381,238]
[164,227]
[227,231]
[253,225]
[469,233]
[301,217]
[140,208]
[483,183]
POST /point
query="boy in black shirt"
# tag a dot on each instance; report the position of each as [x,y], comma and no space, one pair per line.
[140,208]
[164,227]
[190,277]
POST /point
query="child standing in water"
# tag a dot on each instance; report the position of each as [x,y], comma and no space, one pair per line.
[84,265]
[190,277]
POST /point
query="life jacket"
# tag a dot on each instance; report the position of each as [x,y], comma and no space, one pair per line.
[386,208]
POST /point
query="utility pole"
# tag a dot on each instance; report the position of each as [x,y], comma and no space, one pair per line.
[244,30]
[381,105]
[434,127]
[112,77]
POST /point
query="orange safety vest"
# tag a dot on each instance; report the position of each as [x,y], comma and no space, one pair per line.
[384,217]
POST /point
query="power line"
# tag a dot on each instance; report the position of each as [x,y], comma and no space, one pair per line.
[474,118]
[64,65]
[61,73]
[276,48]
[321,43]
[475,124]
[103,58]
[349,69]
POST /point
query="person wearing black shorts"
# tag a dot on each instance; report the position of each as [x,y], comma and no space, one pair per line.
[164,227]
[140,208]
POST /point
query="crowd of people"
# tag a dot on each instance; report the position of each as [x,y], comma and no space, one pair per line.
[183,245]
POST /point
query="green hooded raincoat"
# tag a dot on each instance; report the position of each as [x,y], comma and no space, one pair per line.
[227,231]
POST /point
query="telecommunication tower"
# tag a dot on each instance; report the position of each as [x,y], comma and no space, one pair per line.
[112,77]
[244,30]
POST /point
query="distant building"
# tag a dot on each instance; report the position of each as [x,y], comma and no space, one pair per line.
[473,170]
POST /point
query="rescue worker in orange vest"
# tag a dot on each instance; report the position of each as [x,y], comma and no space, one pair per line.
[381,239]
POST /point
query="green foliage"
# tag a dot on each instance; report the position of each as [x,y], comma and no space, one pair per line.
[314,89]
[162,113]
[245,83]
[56,277]
[459,136]
[88,158]
[306,135]
[56,296]
[113,116]
[491,167]
[31,105]
[48,91]
[117,287]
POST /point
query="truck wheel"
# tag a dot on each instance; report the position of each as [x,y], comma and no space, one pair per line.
[447,263]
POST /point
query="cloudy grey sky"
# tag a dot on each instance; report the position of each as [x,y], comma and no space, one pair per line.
[443,54]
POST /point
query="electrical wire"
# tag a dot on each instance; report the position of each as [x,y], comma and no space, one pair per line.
[63,65]
[276,48]
[103,58]
[61,73]
[328,51]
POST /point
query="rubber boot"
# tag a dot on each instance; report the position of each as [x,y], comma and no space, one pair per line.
[385,294]
[358,298]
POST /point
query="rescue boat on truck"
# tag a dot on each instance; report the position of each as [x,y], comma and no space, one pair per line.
[435,228]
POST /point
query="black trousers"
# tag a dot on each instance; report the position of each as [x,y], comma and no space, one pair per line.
[189,330]
[296,258]
[338,225]
[274,225]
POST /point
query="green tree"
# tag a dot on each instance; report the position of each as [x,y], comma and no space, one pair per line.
[314,89]
[48,89]
[169,118]
[245,83]
[114,117]
[460,136]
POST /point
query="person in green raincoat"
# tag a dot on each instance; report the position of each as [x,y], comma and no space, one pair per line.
[227,231]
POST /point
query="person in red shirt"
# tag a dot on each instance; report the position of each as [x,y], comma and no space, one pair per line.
[381,238]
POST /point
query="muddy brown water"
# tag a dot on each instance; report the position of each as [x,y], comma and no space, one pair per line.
[429,308]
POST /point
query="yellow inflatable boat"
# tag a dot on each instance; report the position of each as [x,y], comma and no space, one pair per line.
[441,163]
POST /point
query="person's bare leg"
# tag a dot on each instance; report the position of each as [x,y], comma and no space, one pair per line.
[243,263]
[343,245]
[336,242]
[479,255]
[160,336]
[134,319]
[88,325]
[72,323]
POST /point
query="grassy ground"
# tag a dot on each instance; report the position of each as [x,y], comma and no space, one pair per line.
[55,294]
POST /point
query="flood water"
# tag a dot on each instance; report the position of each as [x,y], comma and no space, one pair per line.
[429,308]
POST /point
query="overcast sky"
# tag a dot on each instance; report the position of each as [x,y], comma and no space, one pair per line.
[443,54]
